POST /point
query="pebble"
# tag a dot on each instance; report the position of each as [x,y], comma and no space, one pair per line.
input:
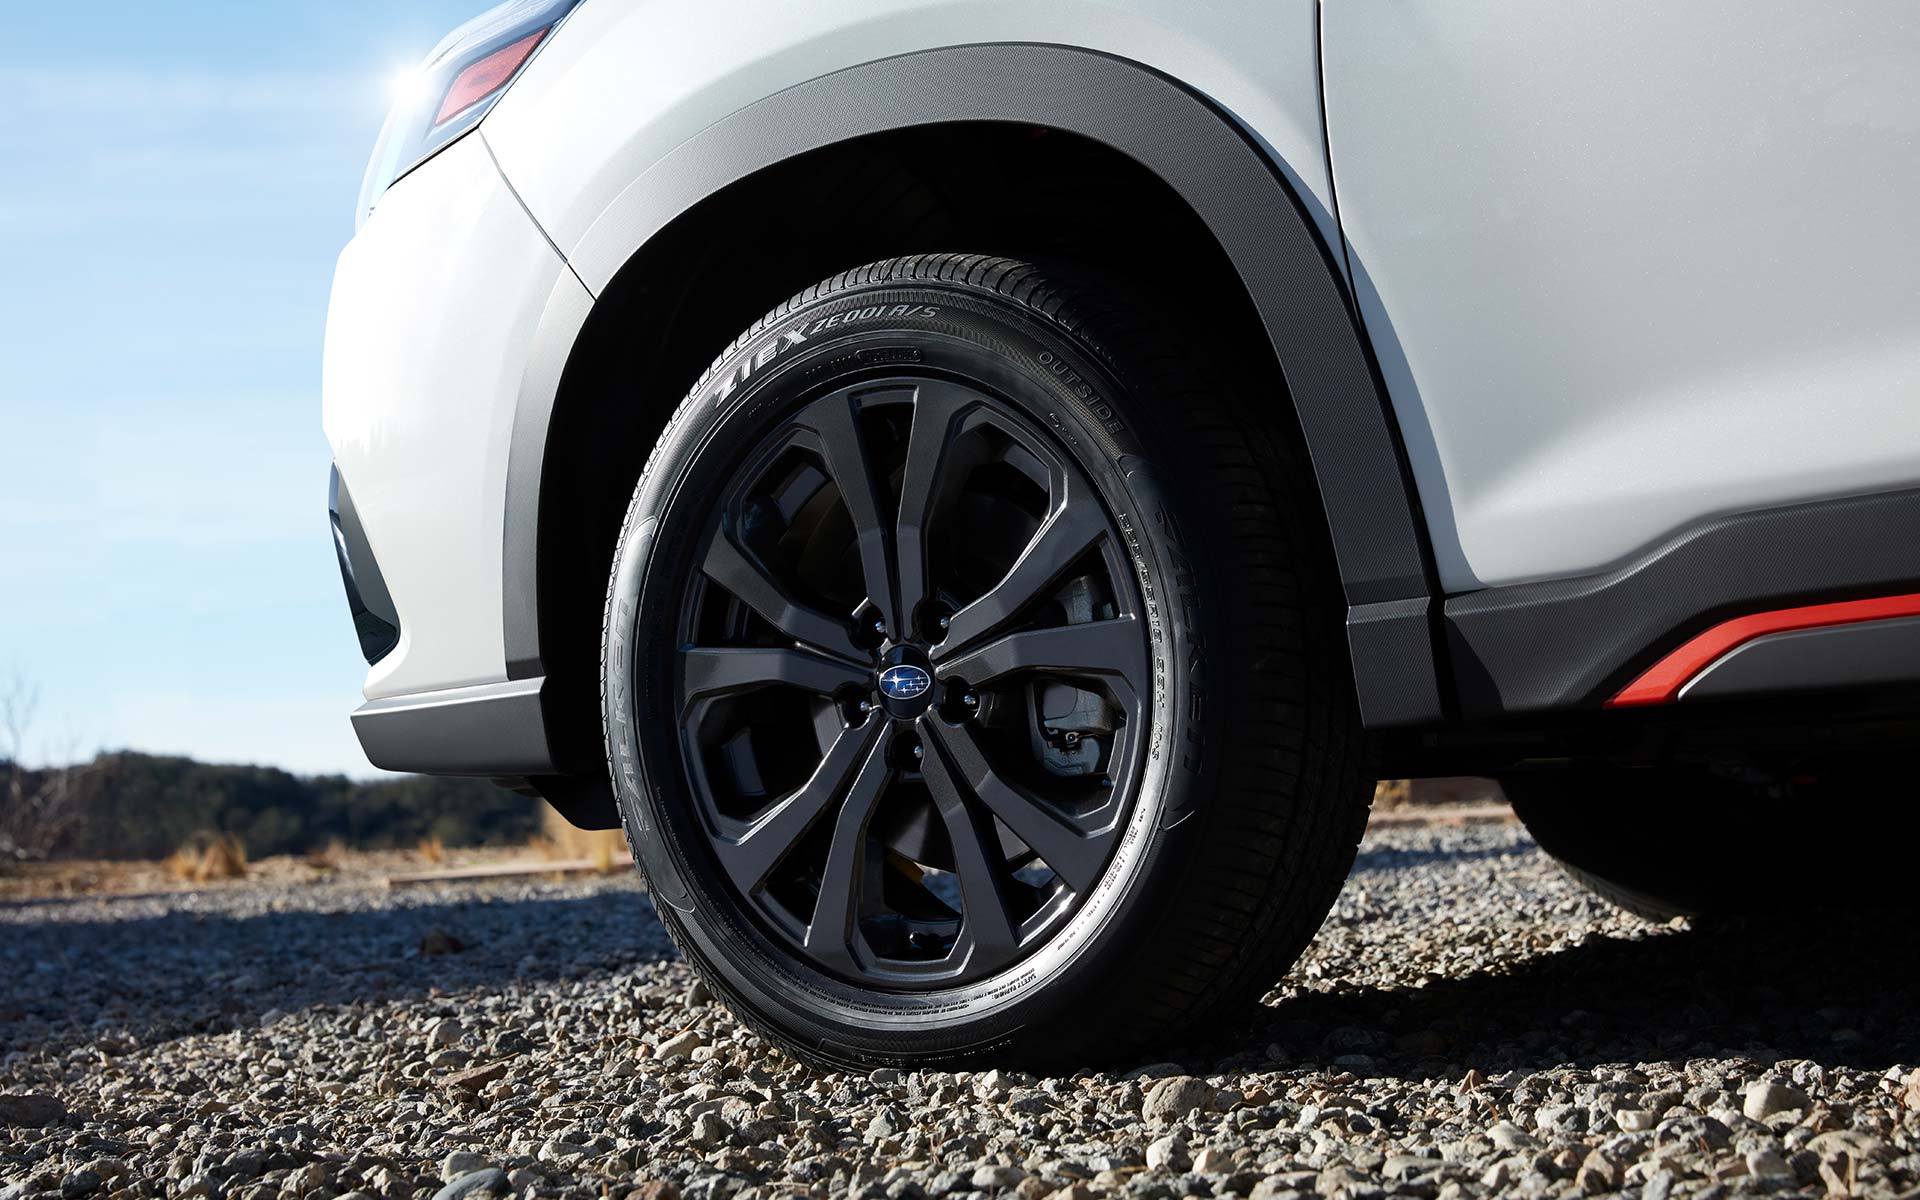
[486,1179]
[1468,1023]
[1767,1098]
[1172,1099]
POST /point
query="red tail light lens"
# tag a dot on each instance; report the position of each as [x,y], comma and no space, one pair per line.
[484,78]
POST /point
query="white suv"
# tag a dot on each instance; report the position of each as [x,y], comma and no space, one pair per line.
[980,489]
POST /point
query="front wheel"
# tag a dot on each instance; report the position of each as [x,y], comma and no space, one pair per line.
[972,691]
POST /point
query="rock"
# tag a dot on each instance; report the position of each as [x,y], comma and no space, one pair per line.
[486,1179]
[1597,1173]
[31,1110]
[1168,1154]
[1692,1130]
[475,1078]
[1767,1163]
[1633,1120]
[1850,1142]
[80,1183]
[1508,1136]
[709,1131]
[1767,1098]
[1073,1191]
[698,993]
[993,1178]
[1273,1187]
[680,1045]
[1211,1161]
[436,942]
[655,1189]
[561,1153]
[461,1162]
[1172,1099]
[992,1085]
[444,1032]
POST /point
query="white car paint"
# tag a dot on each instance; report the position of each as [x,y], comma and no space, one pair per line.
[1631,265]
[1623,267]
[629,80]
[434,306]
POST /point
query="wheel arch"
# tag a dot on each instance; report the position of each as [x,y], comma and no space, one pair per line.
[606,380]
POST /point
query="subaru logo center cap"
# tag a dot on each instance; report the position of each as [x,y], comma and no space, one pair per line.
[905,681]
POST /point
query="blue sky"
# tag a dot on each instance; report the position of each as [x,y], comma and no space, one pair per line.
[175,182]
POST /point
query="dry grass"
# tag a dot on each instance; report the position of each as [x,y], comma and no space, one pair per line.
[205,860]
[605,848]
[330,858]
[1391,793]
[431,850]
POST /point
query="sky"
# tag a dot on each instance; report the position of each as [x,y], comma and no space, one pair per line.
[176,181]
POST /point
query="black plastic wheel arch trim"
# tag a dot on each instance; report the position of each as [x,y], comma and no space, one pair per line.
[1572,643]
[1229,182]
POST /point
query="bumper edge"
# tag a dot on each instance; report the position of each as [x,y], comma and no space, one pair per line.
[489,729]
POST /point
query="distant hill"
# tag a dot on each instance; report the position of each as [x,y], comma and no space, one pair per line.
[130,806]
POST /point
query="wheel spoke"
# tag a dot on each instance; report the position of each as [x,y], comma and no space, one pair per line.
[1076,857]
[1112,649]
[727,566]
[713,672]
[750,858]
[977,862]
[1073,527]
[830,933]
[936,407]
[835,421]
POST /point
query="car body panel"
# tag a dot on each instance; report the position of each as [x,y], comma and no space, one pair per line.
[428,335]
[1628,268]
[627,81]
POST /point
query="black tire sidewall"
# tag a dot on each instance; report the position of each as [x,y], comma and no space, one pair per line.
[877,330]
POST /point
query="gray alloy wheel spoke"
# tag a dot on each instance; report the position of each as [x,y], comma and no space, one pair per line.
[1068,532]
[977,864]
[835,422]
[710,672]
[727,565]
[936,408]
[830,933]
[750,858]
[1112,649]
[1076,857]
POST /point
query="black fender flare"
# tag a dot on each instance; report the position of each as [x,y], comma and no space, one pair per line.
[1229,182]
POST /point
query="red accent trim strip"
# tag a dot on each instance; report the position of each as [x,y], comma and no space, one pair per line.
[1661,682]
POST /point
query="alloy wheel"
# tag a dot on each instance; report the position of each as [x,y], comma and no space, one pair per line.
[913,683]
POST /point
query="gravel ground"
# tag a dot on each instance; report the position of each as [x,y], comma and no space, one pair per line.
[1468,1023]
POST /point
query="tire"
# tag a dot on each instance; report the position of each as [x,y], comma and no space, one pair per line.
[965,874]
[1686,841]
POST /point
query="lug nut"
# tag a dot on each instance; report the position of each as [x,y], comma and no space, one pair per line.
[919,752]
[866,706]
[880,627]
[969,700]
[946,623]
